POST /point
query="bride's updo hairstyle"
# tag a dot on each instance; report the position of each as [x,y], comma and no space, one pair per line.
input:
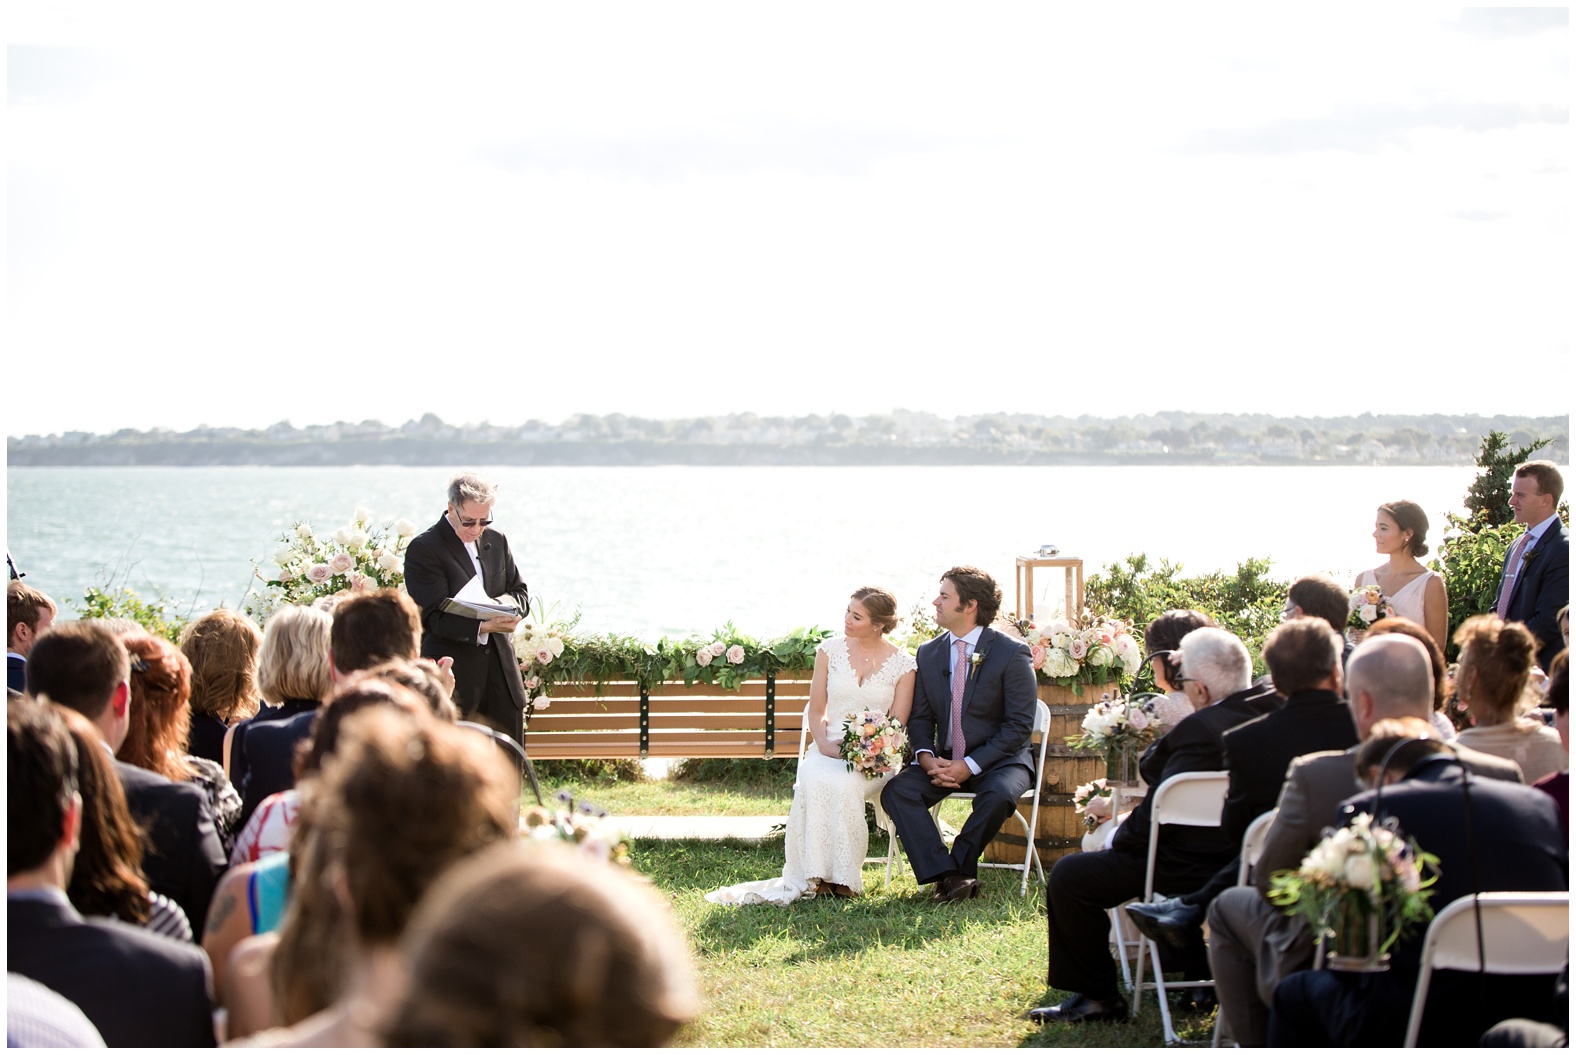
[880,605]
[1409,516]
[1165,635]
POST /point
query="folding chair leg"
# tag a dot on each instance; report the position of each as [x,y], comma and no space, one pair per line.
[1171,1037]
[1119,939]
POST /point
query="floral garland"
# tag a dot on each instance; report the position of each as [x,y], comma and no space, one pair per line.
[357,556]
[1089,651]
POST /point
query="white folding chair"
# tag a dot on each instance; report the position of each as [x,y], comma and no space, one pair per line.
[1523,933]
[889,827]
[1042,725]
[1252,849]
[1194,800]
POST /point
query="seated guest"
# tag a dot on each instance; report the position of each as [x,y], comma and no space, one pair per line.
[1396,625]
[85,667]
[1557,785]
[293,675]
[1216,672]
[372,628]
[1493,670]
[1253,944]
[620,976]
[1304,657]
[1162,637]
[38,1017]
[1501,836]
[28,613]
[107,878]
[1321,597]
[403,799]
[222,648]
[160,720]
[138,989]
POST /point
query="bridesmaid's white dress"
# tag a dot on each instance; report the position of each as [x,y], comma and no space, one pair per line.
[1408,600]
[827,835]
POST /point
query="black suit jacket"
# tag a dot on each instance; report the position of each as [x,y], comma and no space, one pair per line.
[436,568]
[1542,588]
[1187,857]
[1258,753]
[183,857]
[16,673]
[998,702]
[262,755]
[139,989]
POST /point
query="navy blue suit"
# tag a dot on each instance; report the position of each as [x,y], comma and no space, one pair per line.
[1542,588]
[998,718]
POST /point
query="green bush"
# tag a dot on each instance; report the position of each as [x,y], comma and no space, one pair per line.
[153,616]
[1247,603]
[562,772]
[738,772]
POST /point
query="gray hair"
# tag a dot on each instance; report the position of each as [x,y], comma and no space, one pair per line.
[1396,672]
[468,487]
[1218,660]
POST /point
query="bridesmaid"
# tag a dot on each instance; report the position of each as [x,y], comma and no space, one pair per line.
[1400,533]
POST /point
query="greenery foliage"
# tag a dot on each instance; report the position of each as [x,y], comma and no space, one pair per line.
[156,617]
[1248,602]
[726,658]
[1488,499]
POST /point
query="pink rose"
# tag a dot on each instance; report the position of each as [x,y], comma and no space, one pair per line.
[1078,649]
[716,648]
[319,573]
[736,654]
[1037,656]
[703,658]
[544,655]
[540,703]
[532,682]
[341,563]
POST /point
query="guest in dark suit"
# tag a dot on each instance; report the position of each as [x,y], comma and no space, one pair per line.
[974,699]
[438,564]
[293,674]
[138,989]
[1511,841]
[1536,580]
[1304,657]
[85,667]
[1253,944]
[28,613]
[1216,671]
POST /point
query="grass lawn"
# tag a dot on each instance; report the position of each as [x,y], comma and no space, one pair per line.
[890,969]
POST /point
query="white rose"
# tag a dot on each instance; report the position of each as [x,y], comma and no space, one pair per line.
[319,573]
[342,536]
[358,539]
[736,654]
[1060,626]
[1360,871]
[363,515]
[703,658]
[1124,644]
[304,530]
[341,563]
[541,703]
[404,528]
[390,561]
[1368,613]
[284,556]
[557,645]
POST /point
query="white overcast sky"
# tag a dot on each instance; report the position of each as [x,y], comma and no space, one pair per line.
[232,214]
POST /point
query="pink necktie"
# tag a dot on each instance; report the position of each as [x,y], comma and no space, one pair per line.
[959,672]
[1512,569]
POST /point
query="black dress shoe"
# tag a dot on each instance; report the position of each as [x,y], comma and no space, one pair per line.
[1079,1008]
[956,888]
[1170,921]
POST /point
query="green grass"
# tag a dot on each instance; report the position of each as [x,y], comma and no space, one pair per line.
[889,969]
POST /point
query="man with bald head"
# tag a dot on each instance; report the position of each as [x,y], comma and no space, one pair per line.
[1253,944]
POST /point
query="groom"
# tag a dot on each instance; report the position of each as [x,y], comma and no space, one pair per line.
[973,713]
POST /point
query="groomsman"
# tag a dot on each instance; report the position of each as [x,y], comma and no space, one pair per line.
[973,713]
[28,613]
[1536,579]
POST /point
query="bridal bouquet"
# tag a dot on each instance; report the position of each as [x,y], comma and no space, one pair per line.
[1367,606]
[591,830]
[357,556]
[1090,652]
[873,744]
[1362,888]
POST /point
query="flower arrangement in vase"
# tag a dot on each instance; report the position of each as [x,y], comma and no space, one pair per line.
[1091,650]
[357,556]
[1120,729]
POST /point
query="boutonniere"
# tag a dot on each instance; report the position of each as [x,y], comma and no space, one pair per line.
[974,663]
[1529,553]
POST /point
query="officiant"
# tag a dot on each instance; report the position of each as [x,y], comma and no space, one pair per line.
[461,556]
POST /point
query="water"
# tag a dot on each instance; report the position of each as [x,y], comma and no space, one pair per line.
[678,549]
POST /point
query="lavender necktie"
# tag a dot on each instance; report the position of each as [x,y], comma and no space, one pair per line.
[1512,570]
[960,671]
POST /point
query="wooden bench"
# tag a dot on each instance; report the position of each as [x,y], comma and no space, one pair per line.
[760,719]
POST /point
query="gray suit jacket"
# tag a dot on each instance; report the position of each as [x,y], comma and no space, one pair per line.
[1316,785]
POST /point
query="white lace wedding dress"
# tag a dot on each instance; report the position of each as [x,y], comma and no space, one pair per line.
[827,835]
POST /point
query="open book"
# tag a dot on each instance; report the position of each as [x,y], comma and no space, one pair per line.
[472,602]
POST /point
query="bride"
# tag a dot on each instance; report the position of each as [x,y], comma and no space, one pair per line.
[1400,533]
[827,834]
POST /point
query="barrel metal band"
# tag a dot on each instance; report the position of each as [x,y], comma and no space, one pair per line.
[645,721]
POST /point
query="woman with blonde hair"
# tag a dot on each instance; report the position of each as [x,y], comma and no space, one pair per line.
[1493,671]
[222,648]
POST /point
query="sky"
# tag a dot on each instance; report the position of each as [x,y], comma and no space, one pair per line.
[233,215]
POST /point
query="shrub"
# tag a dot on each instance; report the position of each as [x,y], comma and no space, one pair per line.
[153,616]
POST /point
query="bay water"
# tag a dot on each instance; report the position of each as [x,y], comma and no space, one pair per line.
[680,549]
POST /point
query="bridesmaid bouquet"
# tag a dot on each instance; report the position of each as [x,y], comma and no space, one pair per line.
[1367,606]
[873,744]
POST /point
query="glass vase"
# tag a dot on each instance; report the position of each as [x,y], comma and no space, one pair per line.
[1121,767]
[1354,945]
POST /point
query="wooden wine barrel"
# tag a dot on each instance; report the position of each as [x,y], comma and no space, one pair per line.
[1060,830]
